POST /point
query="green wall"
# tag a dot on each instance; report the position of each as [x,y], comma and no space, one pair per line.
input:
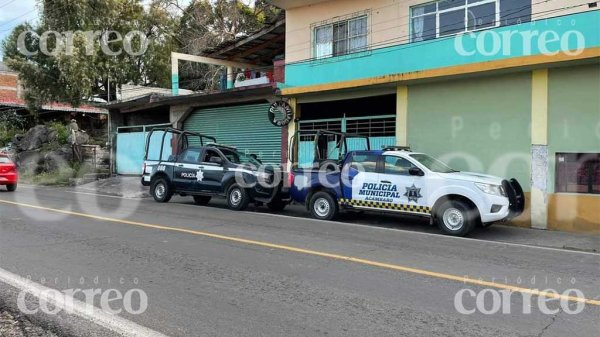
[479,124]
[573,112]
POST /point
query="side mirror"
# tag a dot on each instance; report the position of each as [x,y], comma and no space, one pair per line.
[415,171]
[216,160]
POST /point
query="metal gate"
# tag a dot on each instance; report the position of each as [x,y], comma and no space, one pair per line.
[244,126]
[381,131]
[130,147]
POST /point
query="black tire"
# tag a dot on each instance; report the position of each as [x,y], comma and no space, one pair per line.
[161,190]
[455,217]
[237,198]
[323,206]
[277,205]
[11,188]
[201,200]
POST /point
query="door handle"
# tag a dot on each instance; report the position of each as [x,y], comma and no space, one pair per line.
[201,167]
[386,182]
[180,165]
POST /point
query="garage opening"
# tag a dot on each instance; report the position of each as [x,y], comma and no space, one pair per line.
[374,117]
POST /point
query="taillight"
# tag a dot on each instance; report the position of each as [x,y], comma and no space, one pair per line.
[144,168]
[290,179]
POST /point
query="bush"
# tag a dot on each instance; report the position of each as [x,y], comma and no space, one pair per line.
[62,132]
[11,124]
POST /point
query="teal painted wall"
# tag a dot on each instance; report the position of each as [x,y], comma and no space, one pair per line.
[573,112]
[480,125]
[440,52]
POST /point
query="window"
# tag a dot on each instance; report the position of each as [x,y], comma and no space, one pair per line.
[210,154]
[364,163]
[341,38]
[191,155]
[447,17]
[396,165]
[578,173]
[5,160]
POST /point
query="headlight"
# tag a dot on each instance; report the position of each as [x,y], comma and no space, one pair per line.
[491,189]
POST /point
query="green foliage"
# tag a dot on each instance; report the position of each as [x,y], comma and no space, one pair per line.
[62,132]
[208,23]
[11,124]
[85,73]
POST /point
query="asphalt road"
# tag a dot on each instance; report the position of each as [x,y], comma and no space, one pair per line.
[208,271]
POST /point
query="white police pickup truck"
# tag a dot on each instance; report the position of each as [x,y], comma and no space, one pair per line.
[398,180]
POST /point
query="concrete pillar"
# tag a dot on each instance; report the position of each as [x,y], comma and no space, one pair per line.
[402,116]
[539,149]
[292,128]
[174,76]
[230,77]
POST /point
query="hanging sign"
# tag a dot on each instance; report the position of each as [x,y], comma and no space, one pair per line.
[280,113]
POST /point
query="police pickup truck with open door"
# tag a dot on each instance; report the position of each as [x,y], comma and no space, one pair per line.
[396,179]
[192,164]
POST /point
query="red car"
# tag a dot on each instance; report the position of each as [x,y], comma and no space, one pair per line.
[9,176]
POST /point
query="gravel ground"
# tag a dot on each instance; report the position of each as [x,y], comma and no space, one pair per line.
[12,325]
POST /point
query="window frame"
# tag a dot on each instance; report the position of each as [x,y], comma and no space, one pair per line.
[332,25]
[465,7]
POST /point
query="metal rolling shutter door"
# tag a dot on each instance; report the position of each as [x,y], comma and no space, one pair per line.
[246,126]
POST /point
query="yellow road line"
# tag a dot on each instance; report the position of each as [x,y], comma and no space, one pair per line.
[396,267]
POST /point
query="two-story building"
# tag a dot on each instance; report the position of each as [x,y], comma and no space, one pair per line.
[505,87]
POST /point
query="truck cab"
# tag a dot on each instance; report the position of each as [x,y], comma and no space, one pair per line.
[398,180]
[204,169]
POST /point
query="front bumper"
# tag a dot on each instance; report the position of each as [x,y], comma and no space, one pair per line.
[9,178]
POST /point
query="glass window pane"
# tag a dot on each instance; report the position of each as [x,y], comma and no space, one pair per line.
[423,28]
[424,9]
[323,41]
[447,4]
[358,27]
[481,16]
[396,165]
[452,22]
[340,38]
[364,163]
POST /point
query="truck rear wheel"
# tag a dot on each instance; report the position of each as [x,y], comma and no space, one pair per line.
[323,206]
[237,198]
[455,217]
[161,190]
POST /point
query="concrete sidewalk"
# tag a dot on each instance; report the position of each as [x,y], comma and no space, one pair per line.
[129,187]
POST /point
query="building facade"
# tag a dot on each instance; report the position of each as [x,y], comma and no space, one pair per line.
[505,87]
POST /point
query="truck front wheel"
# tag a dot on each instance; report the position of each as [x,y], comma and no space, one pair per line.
[323,206]
[455,217]
[237,198]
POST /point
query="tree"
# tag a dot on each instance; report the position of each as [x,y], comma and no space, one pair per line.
[75,75]
[208,23]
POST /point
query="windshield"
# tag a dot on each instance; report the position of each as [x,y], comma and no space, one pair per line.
[432,164]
